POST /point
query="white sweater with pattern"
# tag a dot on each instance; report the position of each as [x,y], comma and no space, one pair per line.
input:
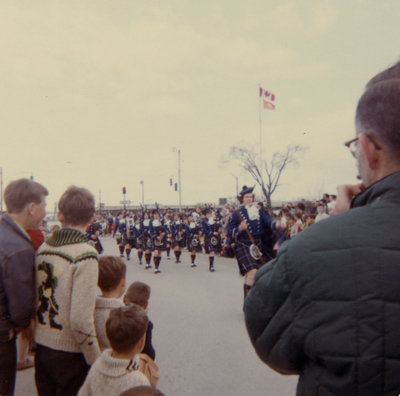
[110,376]
[67,272]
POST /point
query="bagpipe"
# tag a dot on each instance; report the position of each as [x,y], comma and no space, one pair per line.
[254,250]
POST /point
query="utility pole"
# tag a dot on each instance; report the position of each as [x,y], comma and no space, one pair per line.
[179,178]
[179,181]
[142,183]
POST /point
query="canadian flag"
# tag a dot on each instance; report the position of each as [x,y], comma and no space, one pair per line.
[268,105]
[268,97]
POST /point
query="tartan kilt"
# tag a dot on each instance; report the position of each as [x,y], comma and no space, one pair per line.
[216,248]
[138,243]
[131,241]
[147,243]
[121,239]
[157,245]
[193,247]
[181,242]
[244,259]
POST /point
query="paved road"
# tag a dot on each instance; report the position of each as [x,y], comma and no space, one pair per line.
[199,335]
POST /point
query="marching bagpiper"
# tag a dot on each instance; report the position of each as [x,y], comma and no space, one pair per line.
[147,241]
[167,225]
[251,230]
[121,235]
[178,230]
[193,239]
[138,235]
[130,236]
[212,237]
[158,235]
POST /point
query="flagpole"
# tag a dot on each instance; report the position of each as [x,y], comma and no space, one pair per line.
[260,124]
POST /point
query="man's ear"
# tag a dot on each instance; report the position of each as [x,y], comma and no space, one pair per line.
[60,217]
[370,151]
[29,207]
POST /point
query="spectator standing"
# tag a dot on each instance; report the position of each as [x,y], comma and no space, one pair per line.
[25,202]
[67,273]
[117,369]
[139,293]
[328,307]
[112,282]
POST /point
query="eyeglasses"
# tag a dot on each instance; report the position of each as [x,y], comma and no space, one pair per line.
[351,144]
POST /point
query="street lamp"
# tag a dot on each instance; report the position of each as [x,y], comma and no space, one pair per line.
[179,177]
[142,183]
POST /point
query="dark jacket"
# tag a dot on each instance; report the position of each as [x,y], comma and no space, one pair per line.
[17,280]
[328,307]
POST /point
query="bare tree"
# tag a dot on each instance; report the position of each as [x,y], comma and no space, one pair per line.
[274,168]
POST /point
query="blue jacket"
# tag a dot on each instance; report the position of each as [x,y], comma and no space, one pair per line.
[17,276]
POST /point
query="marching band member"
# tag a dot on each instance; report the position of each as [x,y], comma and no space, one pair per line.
[178,230]
[167,225]
[121,234]
[251,230]
[147,241]
[137,232]
[158,235]
[193,232]
[212,237]
[130,236]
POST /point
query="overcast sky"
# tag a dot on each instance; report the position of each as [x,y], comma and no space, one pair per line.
[98,93]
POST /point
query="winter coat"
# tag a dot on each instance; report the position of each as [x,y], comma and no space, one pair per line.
[328,307]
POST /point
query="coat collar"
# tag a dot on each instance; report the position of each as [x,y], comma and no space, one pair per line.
[16,227]
[387,188]
[66,236]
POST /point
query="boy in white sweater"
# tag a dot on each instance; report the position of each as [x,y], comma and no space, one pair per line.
[112,282]
[66,281]
[116,370]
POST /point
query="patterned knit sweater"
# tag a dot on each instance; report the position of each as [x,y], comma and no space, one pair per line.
[101,314]
[67,272]
[110,376]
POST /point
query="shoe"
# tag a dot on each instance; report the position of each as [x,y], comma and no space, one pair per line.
[121,255]
[179,261]
[148,266]
[128,258]
[157,271]
[193,265]
[168,258]
[212,269]
[25,364]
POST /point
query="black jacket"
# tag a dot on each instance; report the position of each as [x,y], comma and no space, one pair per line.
[17,280]
[328,307]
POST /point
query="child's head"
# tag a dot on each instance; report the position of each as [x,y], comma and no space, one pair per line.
[126,329]
[112,272]
[76,206]
[142,390]
[138,293]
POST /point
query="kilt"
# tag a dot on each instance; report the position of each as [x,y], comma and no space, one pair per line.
[243,257]
[131,241]
[147,242]
[179,242]
[213,244]
[159,245]
[139,243]
[194,244]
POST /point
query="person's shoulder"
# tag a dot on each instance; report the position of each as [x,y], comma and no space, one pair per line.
[108,303]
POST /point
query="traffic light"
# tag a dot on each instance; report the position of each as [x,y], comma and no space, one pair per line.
[124,190]
[170,182]
[176,186]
